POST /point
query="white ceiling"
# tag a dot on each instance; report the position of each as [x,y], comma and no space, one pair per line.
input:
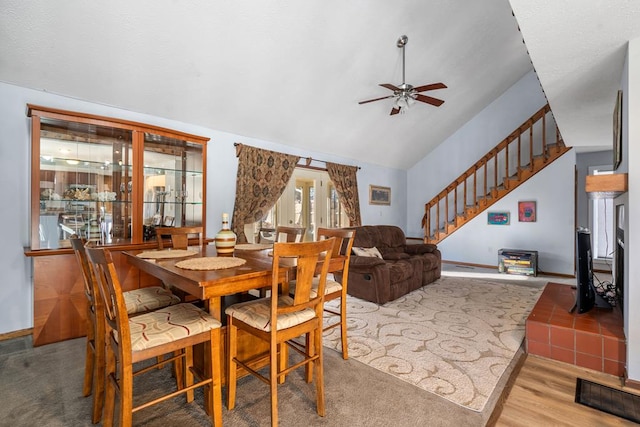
[292,72]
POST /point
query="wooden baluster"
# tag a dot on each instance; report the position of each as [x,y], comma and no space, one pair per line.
[545,154]
[438,219]
[484,191]
[446,212]
[531,147]
[495,172]
[455,204]
[465,195]
[506,167]
[519,165]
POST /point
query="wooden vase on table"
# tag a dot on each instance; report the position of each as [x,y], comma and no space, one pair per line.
[225,240]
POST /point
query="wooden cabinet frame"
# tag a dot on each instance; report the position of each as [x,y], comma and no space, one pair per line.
[59,303]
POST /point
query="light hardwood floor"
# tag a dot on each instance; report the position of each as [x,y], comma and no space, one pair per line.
[543,395]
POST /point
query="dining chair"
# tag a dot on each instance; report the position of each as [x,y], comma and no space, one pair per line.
[180,240]
[137,301]
[179,236]
[291,234]
[281,318]
[334,289]
[129,340]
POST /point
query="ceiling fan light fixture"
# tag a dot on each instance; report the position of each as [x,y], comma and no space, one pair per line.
[404,101]
[405,95]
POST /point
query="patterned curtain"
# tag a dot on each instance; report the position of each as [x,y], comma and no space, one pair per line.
[262,177]
[344,178]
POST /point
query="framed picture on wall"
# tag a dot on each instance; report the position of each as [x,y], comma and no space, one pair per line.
[498,218]
[617,132]
[527,211]
[379,195]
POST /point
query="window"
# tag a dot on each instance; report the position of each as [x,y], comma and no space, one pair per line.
[601,220]
[310,201]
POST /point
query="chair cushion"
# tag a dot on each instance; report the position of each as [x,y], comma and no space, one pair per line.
[147,299]
[330,287]
[257,313]
[169,324]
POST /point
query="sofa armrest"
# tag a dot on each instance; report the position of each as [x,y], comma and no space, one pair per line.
[364,262]
[419,249]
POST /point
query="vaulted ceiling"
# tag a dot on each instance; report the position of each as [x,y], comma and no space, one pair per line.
[292,72]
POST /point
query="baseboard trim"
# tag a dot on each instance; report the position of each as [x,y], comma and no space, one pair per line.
[470,264]
[16,334]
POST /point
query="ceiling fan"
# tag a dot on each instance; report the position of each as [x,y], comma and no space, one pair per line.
[405,94]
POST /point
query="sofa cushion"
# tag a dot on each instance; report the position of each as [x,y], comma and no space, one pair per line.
[395,256]
[370,252]
[400,270]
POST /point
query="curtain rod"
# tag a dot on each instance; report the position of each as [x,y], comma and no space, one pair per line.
[307,160]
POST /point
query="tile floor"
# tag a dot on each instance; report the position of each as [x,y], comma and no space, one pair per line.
[593,340]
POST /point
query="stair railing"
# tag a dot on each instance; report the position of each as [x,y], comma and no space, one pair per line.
[494,175]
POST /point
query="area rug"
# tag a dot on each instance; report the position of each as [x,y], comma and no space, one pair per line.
[454,337]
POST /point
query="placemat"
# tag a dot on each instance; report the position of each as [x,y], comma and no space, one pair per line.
[210,263]
[167,253]
[253,246]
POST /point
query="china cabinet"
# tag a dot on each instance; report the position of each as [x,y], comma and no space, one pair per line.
[110,181]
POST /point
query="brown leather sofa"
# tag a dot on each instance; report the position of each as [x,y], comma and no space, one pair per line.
[402,269]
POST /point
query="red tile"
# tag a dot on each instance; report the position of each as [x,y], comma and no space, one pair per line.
[589,343]
[611,330]
[589,361]
[563,355]
[561,320]
[537,332]
[539,349]
[614,349]
[613,368]
[562,337]
[587,325]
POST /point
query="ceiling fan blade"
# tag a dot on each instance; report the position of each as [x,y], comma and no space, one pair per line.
[377,99]
[395,110]
[432,86]
[429,100]
[390,86]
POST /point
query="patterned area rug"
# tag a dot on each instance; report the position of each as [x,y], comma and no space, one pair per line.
[454,337]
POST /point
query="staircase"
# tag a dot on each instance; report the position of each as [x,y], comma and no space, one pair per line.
[526,151]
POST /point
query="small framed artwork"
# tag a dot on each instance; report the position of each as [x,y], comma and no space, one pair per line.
[168,221]
[379,195]
[527,211]
[498,218]
[617,131]
[157,220]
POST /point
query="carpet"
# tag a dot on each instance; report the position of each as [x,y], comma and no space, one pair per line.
[607,399]
[454,337]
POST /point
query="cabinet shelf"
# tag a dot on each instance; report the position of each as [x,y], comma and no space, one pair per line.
[129,174]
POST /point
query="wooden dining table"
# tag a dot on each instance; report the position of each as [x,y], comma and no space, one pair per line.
[213,286]
[210,285]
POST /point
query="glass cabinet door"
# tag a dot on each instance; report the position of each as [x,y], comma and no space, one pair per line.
[173,182]
[111,181]
[85,171]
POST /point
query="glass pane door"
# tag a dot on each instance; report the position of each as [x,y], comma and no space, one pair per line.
[84,171]
[173,182]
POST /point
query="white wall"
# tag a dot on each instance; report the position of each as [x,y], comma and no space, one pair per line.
[552,235]
[630,85]
[16,289]
[478,243]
